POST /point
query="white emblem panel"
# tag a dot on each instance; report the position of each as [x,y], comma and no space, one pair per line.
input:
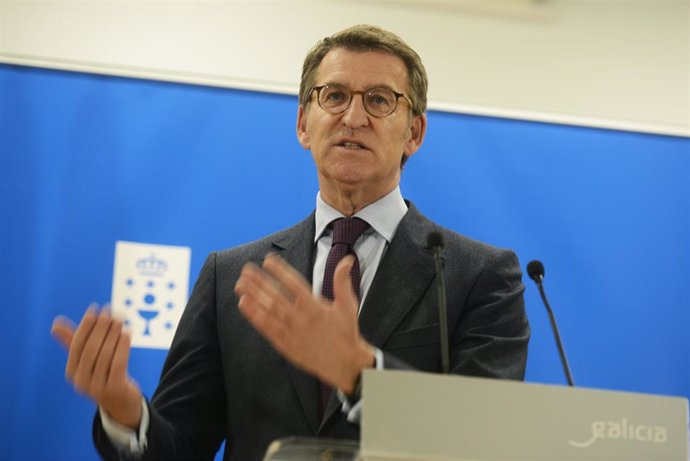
[150,287]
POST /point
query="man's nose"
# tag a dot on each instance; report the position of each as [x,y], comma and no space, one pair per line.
[356,115]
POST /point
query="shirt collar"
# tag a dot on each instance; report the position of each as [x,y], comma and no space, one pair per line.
[383,215]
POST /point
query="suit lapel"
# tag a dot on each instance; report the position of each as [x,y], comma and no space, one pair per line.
[403,276]
[296,246]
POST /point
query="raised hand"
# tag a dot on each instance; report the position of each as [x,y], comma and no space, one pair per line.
[315,334]
[97,363]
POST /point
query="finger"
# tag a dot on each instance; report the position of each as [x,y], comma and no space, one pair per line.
[104,360]
[343,291]
[272,311]
[263,290]
[287,275]
[79,339]
[63,331]
[84,372]
[263,321]
[257,282]
[278,288]
[118,367]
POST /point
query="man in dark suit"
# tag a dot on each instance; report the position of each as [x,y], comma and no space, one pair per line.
[272,327]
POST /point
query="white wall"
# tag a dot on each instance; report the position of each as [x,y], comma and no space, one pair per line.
[617,64]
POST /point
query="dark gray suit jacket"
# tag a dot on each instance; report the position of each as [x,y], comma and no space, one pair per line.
[222,380]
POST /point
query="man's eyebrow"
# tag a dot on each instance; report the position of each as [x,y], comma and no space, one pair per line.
[369,87]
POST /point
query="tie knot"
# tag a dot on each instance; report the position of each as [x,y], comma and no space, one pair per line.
[348,230]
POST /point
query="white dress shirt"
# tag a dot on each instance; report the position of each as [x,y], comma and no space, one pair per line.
[383,217]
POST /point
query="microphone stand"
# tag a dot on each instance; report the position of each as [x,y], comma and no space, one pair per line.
[554,327]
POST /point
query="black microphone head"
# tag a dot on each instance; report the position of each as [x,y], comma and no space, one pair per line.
[434,241]
[535,270]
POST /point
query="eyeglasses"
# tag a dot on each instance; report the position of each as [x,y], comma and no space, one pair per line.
[378,102]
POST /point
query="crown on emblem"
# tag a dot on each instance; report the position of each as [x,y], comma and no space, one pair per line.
[152,266]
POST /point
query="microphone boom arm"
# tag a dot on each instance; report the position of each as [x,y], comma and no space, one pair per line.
[557,335]
[442,314]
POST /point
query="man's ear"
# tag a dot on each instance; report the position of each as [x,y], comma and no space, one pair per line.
[415,135]
[302,132]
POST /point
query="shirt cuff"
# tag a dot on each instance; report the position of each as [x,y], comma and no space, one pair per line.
[125,439]
[352,405]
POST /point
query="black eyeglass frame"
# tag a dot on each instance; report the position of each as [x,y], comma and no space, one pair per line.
[353,93]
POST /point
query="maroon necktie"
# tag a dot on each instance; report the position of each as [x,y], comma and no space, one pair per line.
[346,231]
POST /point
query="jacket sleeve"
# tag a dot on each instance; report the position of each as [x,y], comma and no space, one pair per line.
[187,411]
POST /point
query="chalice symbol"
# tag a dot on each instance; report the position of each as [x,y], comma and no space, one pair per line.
[148,314]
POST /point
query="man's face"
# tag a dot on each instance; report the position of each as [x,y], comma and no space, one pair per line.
[354,149]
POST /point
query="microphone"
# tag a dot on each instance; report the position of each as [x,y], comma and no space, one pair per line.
[535,270]
[434,241]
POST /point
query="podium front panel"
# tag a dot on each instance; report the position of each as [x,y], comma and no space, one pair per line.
[410,415]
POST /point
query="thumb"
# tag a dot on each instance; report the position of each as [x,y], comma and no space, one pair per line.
[343,292]
[63,331]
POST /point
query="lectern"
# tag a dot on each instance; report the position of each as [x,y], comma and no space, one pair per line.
[422,416]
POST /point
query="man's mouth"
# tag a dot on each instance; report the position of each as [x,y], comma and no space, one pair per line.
[352,145]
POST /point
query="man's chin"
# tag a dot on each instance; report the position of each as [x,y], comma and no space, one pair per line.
[358,179]
[353,179]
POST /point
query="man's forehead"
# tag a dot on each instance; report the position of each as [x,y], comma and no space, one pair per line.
[362,68]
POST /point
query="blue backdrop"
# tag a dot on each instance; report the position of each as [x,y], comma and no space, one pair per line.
[87,160]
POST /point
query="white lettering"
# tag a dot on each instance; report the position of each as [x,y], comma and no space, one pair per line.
[616,430]
[625,429]
[660,435]
[598,428]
